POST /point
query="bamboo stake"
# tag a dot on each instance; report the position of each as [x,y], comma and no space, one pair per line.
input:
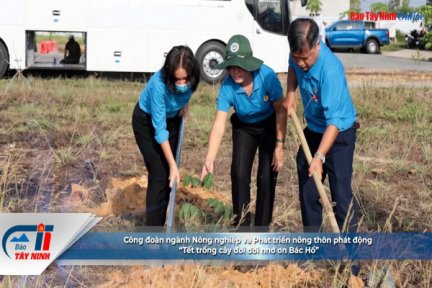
[317,178]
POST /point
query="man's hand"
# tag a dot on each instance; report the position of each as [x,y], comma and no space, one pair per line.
[316,166]
[290,102]
[290,105]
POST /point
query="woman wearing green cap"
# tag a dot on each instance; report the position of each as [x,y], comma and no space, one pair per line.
[259,122]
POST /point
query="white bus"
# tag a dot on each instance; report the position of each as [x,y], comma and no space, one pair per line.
[135,35]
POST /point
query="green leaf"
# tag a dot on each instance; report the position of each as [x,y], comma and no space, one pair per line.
[185,211]
[228,213]
[195,181]
[212,202]
[187,181]
[208,181]
[220,208]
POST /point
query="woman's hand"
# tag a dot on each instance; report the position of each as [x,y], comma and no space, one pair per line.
[278,157]
[174,176]
[184,112]
[207,168]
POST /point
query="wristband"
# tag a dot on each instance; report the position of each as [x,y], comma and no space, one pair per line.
[279,140]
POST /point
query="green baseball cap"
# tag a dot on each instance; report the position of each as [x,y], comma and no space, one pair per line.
[238,52]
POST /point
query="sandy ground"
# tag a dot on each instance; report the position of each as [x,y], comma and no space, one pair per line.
[128,196]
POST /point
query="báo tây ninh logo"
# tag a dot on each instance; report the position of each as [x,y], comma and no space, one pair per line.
[387,16]
[28,242]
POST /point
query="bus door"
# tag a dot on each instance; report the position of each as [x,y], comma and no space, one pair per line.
[51,24]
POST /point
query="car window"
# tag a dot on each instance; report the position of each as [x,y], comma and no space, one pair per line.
[369,25]
[341,26]
[356,26]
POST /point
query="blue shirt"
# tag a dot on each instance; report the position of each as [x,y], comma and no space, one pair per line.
[324,92]
[160,103]
[256,107]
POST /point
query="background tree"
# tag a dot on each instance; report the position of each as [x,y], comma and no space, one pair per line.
[394,5]
[426,11]
[405,7]
[379,7]
[354,7]
[314,7]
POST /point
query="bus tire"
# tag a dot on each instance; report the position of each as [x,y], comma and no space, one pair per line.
[209,55]
[4,59]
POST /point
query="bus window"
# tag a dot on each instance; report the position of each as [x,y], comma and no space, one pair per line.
[269,16]
[250,6]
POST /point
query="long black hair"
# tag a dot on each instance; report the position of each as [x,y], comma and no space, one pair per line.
[302,33]
[181,57]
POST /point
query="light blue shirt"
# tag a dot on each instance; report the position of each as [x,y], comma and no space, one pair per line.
[256,107]
[160,103]
[324,92]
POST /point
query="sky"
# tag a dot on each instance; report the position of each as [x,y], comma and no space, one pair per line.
[365,4]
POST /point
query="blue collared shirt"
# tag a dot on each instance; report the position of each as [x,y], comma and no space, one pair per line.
[160,103]
[256,107]
[324,92]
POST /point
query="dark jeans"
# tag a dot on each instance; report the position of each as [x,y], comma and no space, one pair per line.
[338,166]
[158,189]
[247,138]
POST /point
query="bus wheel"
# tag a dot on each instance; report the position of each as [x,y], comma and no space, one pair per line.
[209,55]
[4,60]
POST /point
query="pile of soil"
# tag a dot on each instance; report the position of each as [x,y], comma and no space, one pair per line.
[125,196]
[128,196]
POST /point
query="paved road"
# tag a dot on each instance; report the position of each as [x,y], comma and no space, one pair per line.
[387,60]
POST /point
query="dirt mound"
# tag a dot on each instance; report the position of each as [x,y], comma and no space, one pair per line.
[125,196]
[214,276]
[129,196]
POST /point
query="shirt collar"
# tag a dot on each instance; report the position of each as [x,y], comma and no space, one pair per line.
[256,84]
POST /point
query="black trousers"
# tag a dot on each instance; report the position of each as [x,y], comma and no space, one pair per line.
[247,138]
[158,189]
[338,166]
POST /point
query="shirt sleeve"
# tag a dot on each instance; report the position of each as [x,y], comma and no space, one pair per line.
[158,112]
[274,86]
[333,96]
[224,102]
[290,62]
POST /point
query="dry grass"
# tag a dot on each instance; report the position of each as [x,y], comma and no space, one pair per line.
[50,132]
